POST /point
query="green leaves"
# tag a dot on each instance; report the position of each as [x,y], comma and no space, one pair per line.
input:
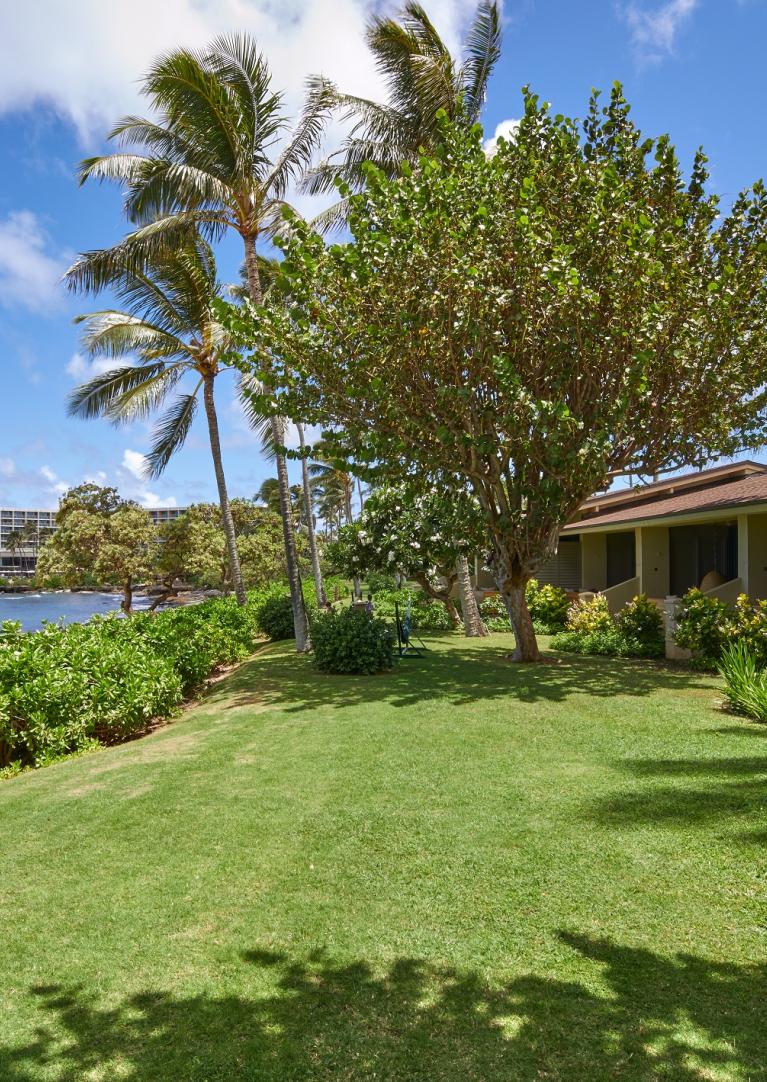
[534,323]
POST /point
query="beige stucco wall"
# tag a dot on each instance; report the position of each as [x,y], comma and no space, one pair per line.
[593,561]
[652,560]
[752,554]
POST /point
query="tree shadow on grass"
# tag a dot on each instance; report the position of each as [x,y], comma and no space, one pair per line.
[723,789]
[456,674]
[640,1017]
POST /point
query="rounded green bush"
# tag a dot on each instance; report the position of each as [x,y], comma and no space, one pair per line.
[351,641]
[274,617]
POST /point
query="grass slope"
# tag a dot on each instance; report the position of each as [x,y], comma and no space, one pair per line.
[464,870]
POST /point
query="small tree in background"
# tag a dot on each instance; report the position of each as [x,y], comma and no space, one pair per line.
[100,539]
[538,321]
[194,546]
[418,535]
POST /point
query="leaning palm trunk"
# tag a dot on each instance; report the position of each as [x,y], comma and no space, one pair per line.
[319,585]
[300,621]
[223,495]
[473,624]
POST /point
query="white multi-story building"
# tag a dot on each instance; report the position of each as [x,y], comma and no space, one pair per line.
[20,559]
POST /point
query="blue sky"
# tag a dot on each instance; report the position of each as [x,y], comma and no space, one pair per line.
[693,68]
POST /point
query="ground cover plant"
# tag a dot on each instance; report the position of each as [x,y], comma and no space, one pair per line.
[63,689]
[460,871]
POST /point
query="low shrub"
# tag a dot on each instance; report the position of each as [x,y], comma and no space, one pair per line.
[641,621]
[745,681]
[548,606]
[636,631]
[67,686]
[62,688]
[376,582]
[590,616]
[274,617]
[705,625]
[351,641]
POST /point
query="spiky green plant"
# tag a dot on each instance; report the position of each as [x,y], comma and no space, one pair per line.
[745,681]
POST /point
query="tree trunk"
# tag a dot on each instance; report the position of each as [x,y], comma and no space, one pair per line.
[300,621]
[473,625]
[513,594]
[359,493]
[127,602]
[441,595]
[319,585]
[223,495]
[349,512]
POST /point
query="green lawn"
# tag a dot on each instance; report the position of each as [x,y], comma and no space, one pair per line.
[464,870]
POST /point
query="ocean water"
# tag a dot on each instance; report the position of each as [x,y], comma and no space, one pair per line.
[32,609]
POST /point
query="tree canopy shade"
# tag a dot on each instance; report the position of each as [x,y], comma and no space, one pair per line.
[537,321]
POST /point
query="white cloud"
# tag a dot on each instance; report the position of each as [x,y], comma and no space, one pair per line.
[53,479]
[29,272]
[151,499]
[7,467]
[95,52]
[135,463]
[82,370]
[507,129]
[654,31]
[133,481]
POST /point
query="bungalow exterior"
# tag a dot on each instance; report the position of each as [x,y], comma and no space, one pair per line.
[706,529]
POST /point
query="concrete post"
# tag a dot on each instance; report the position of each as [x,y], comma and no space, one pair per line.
[673,652]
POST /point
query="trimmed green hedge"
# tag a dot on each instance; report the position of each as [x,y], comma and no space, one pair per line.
[64,688]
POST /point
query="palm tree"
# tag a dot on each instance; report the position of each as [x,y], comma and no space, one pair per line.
[331,478]
[422,77]
[169,324]
[205,159]
[15,543]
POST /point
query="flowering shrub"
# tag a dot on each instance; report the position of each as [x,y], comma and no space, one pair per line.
[641,621]
[548,606]
[590,616]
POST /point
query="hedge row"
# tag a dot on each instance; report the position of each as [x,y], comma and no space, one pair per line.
[62,689]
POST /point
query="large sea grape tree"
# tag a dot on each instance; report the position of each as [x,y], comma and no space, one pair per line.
[538,320]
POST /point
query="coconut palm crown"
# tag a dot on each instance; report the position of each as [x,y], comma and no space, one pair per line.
[422,78]
[167,322]
[210,159]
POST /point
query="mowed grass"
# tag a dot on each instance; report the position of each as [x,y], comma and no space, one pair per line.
[461,870]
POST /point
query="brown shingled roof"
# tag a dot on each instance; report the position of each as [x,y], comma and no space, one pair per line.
[747,490]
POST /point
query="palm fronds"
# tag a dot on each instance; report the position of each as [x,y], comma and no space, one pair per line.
[171,431]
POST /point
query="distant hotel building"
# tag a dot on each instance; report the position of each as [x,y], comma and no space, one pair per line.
[22,562]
